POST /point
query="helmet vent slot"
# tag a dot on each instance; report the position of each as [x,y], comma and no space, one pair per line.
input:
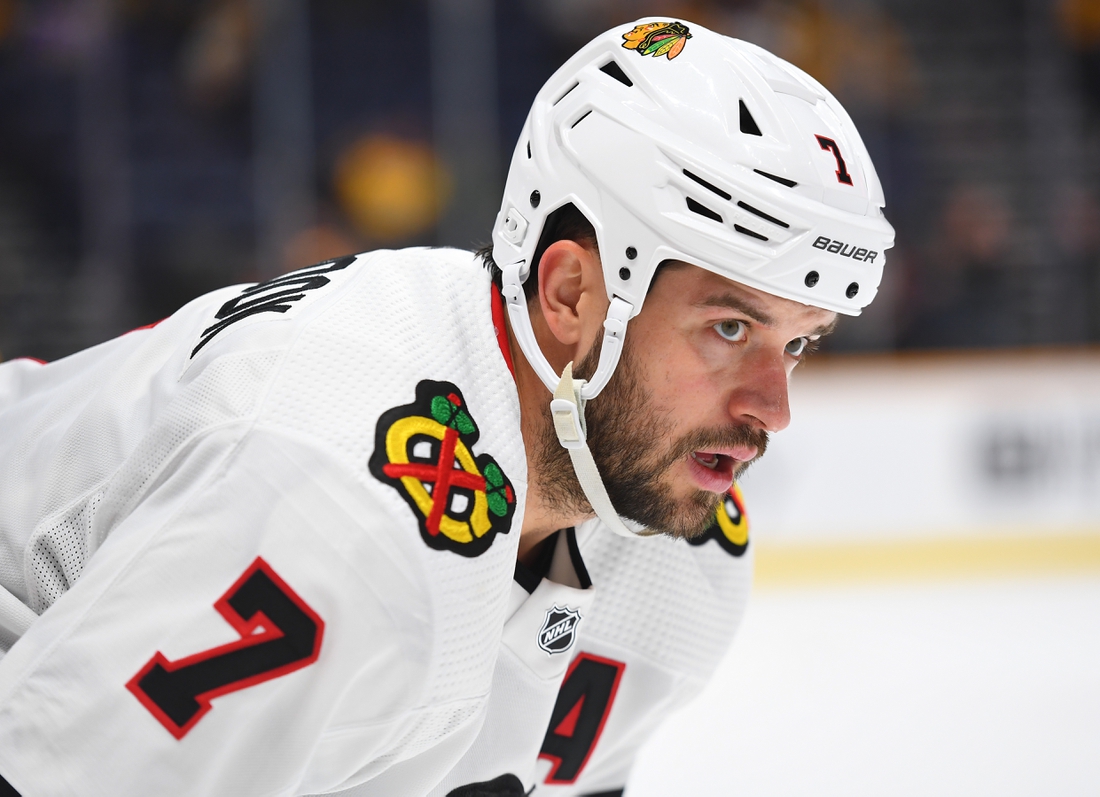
[762,214]
[748,124]
[780,180]
[566,92]
[750,233]
[580,118]
[613,69]
[707,185]
[528,150]
[703,210]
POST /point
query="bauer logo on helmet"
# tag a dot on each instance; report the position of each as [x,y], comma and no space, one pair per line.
[844,250]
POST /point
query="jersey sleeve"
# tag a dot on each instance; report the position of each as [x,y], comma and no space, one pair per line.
[258,624]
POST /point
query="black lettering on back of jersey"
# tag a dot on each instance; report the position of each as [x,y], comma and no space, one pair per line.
[273,296]
[583,704]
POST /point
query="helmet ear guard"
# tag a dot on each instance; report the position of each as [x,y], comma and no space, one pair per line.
[677,143]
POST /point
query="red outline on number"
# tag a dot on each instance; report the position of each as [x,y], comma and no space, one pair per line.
[248,639]
[620,667]
[829,145]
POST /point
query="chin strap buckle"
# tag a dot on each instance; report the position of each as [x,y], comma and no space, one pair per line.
[567,409]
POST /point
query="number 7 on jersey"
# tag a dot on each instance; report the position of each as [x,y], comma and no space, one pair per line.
[279,634]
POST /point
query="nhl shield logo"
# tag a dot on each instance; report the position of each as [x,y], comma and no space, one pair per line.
[560,629]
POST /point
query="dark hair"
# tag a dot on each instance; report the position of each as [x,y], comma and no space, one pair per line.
[564,224]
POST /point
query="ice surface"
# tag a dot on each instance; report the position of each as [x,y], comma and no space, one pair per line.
[968,687]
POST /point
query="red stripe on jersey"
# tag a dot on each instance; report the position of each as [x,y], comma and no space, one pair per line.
[147,326]
[501,329]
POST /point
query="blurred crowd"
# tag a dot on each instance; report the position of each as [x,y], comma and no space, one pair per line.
[151,150]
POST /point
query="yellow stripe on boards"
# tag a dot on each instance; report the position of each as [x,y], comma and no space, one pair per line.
[935,559]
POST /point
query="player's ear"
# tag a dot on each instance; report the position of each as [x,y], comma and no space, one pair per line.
[572,296]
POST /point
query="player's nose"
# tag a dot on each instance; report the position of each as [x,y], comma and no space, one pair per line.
[759,398]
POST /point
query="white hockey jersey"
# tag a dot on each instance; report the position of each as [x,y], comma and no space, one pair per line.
[271,539]
[251,588]
[648,621]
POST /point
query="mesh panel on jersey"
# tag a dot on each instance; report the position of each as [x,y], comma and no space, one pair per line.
[414,315]
[675,604]
[39,483]
[57,554]
[433,725]
[60,544]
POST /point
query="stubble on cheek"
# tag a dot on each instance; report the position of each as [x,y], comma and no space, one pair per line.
[638,459]
[639,462]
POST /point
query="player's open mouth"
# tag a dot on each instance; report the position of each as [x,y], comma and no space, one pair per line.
[714,470]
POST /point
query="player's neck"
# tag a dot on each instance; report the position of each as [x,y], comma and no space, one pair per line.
[541,517]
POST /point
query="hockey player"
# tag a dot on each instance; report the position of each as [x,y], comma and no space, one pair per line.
[381,527]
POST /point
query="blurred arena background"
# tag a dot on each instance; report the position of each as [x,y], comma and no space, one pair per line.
[927,533]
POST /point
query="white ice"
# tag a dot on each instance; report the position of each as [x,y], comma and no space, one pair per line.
[961,688]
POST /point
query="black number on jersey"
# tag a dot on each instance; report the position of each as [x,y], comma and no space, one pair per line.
[279,634]
[583,704]
[6,789]
[504,786]
[842,175]
[273,296]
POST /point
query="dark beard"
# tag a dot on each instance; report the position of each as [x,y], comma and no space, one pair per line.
[632,455]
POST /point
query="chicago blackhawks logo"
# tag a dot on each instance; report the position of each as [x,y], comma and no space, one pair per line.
[731,525]
[424,451]
[657,39]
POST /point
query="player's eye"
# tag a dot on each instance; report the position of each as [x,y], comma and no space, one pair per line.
[731,330]
[799,346]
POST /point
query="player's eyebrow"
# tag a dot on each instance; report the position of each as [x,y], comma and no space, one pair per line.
[824,329]
[741,305]
[746,306]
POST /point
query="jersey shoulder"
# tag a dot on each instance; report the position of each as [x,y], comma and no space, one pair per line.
[674,603]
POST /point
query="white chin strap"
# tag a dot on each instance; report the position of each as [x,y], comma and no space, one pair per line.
[567,409]
[570,395]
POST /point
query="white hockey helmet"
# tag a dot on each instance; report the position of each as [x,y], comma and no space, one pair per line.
[678,143]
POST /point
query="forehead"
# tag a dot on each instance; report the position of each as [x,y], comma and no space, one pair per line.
[682,285]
